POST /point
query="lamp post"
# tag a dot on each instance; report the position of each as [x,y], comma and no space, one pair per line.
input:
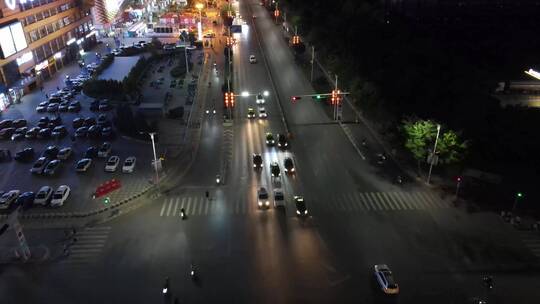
[200,6]
[433,154]
[152,134]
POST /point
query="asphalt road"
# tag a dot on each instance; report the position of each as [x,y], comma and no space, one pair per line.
[246,255]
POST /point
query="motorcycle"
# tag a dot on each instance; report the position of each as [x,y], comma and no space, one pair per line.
[399,180]
[488,281]
[192,272]
[166,287]
[183,213]
[218,179]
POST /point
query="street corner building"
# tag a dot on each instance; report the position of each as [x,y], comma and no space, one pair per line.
[37,38]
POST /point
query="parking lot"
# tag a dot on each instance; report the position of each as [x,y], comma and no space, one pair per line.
[16,174]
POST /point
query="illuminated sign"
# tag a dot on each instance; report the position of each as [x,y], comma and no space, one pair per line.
[12,39]
[42,65]
[533,73]
[58,55]
[71,41]
[25,58]
[90,34]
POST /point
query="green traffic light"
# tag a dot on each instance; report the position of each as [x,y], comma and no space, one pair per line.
[106,201]
[519,194]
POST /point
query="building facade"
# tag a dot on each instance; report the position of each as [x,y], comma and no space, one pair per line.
[37,38]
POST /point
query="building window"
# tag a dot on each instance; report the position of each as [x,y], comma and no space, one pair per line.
[39,54]
[52,11]
[42,32]
[39,16]
[49,28]
[30,19]
[33,36]
[67,20]
[47,49]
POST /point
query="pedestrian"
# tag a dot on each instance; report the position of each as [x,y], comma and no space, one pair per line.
[74,240]
[207,194]
[41,88]
[46,95]
[58,88]
[74,231]
[66,250]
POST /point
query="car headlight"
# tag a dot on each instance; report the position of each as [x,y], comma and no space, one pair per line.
[254,166]
[292,170]
[267,203]
[305,212]
[297,212]
[260,203]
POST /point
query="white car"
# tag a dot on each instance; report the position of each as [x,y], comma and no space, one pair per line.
[262,198]
[43,196]
[252,59]
[262,112]
[384,276]
[8,198]
[112,164]
[105,150]
[64,153]
[259,99]
[129,164]
[279,198]
[60,196]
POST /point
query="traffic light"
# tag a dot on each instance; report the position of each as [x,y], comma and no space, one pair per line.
[227,100]
[338,95]
[519,195]
[231,98]
[458,179]
[317,97]
[295,98]
[334,98]
[106,200]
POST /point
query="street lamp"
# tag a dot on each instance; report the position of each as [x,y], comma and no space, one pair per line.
[152,134]
[200,6]
[433,154]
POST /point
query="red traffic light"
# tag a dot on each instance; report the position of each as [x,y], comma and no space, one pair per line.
[458,179]
[295,98]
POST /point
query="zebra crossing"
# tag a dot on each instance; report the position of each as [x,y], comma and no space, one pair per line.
[531,240]
[88,247]
[199,205]
[385,201]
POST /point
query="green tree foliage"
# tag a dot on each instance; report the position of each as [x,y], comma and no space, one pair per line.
[420,137]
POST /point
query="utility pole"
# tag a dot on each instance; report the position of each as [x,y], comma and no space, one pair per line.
[312,61]
[337,101]
[433,154]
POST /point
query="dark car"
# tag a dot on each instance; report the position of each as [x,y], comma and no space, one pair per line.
[59,132]
[26,200]
[74,106]
[102,118]
[91,152]
[32,133]
[63,107]
[6,123]
[81,132]
[89,121]
[77,122]
[43,122]
[6,133]
[257,161]
[50,152]
[270,139]
[107,132]
[274,169]
[41,109]
[300,204]
[55,121]
[44,133]
[52,107]
[52,167]
[24,155]
[19,123]
[56,99]
[94,131]
[288,164]
[104,105]
[282,141]
[17,136]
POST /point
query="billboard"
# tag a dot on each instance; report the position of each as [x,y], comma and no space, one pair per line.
[12,39]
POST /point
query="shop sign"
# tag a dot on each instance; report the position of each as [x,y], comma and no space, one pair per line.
[25,58]
[42,65]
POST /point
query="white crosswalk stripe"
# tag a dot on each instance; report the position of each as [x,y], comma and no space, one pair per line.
[385,201]
[201,206]
[88,246]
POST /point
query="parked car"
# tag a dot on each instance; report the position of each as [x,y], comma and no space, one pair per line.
[91,152]
[8,198]
[94,106]
[52,167]
[60,196]
[105,150]
[44,133]
[24,155]
[81,132]
[59,132]
[55,121]
[384,276]
[41,108]
[43,122]
[64,153]
[77,122]
[6,123]
[89,121]
[63,106]
[74,106]
[43,196]
[83,165]
[25,200]
[52,107]
[104,105]
[32,133]
[6,133]
[19,134]
[102,118]
[94,131]
[51,152]
[39,165]
[107,133]
[112,163]
[129,164]
[19,123]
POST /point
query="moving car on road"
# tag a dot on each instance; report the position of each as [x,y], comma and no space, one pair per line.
[274,169]
[262,112]
[262,198]
[60,196]
[270,139]
[279,198]
[257,161]
[252,59]
[288,164]
[282,141]
[384,276]
[259,99]
[251,113]
[300,204]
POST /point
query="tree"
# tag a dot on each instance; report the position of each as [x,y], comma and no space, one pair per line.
[420,137]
